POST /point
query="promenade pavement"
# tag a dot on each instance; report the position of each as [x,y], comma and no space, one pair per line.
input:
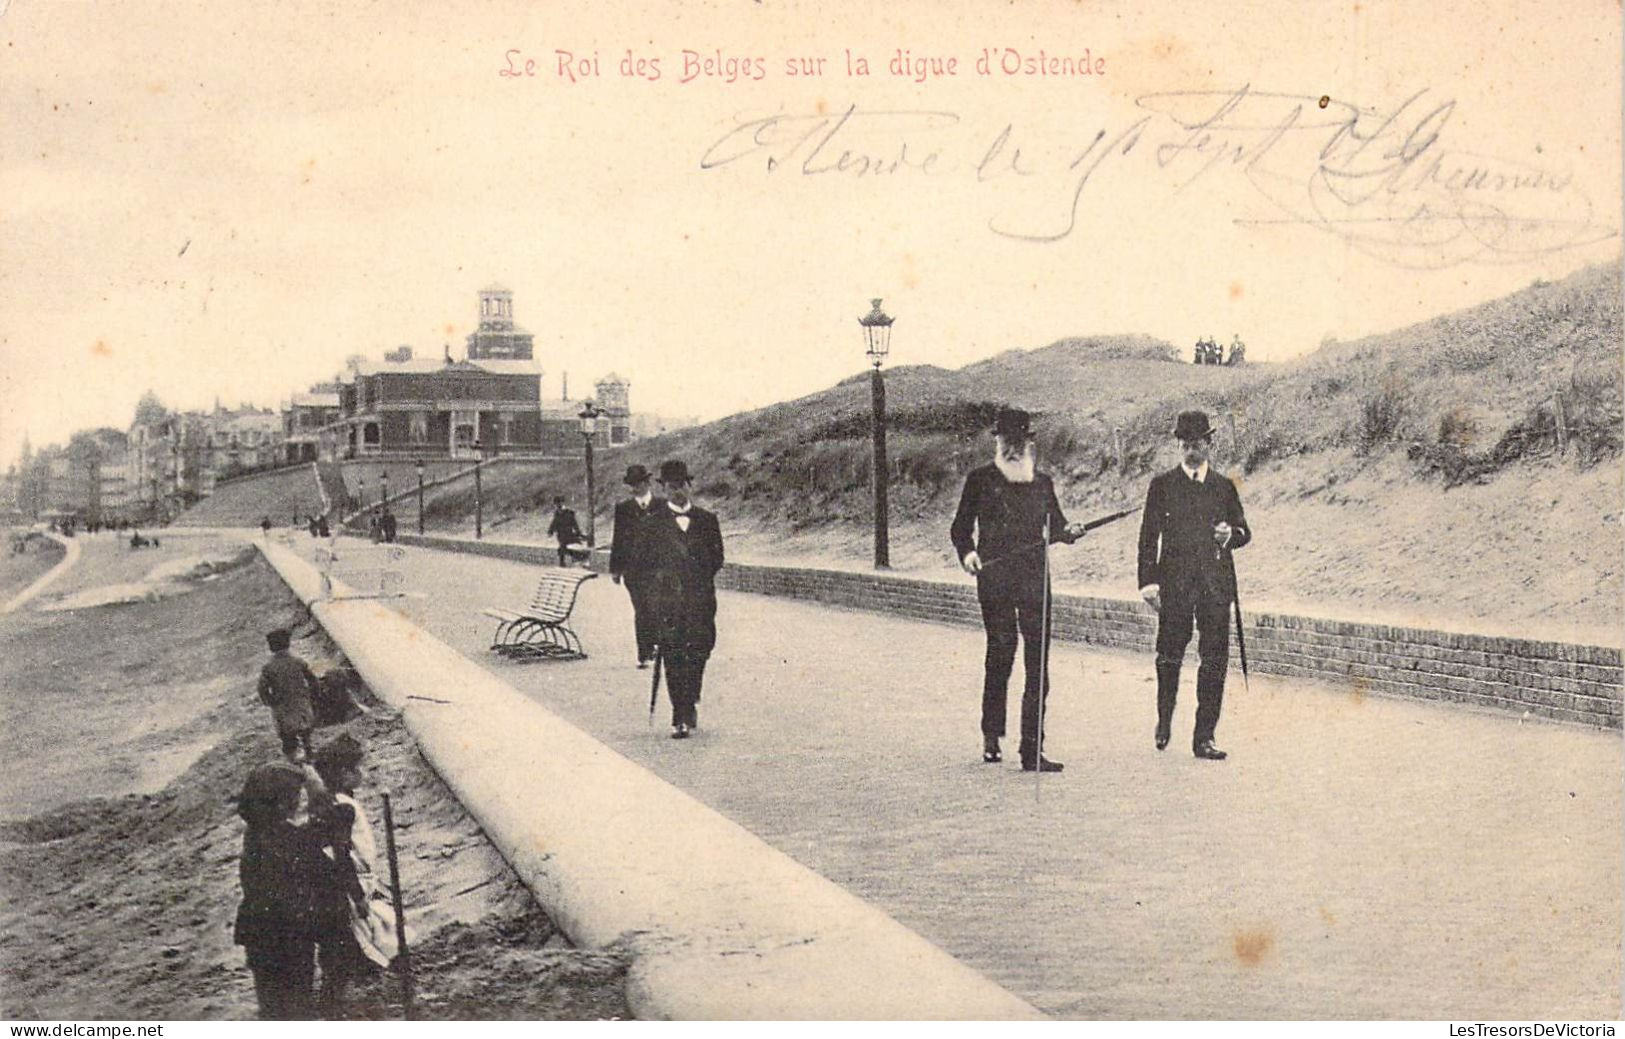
[1357,857]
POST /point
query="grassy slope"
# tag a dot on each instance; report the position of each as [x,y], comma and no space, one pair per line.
[1411,472]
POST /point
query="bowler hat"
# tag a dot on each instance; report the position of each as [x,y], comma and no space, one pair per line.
[635,474]
[1192,425]
[673,472]
[1013,424]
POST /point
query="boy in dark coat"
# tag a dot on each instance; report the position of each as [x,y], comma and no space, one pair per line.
[289,688]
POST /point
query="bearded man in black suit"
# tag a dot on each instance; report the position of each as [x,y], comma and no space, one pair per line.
[1005,511]
[1192,523]
[683,554]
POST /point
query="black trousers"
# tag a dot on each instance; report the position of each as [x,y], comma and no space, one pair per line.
[284,978]
[1174,622]
[685,673]
[643,622]
[1013,601]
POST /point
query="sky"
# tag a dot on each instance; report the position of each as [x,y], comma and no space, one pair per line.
[215,200]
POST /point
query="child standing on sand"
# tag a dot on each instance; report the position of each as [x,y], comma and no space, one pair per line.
[288,883]
[289,688]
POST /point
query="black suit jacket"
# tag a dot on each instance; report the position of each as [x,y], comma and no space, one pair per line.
[626,549]
[681,573]
[1006,519]
[1177,550]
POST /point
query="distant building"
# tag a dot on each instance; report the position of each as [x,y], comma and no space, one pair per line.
[304,422]
[615,399]
[239,441]
[439,409]
[561,428]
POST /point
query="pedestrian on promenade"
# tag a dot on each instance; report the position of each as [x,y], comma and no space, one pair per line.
[287,880]
[289,688]
[386,523]
[1005,511]
[322,529]
[627,558]
[564,528]
[265,527]
[1191,525]
[684,553]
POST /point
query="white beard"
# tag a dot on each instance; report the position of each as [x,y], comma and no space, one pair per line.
[1019,471]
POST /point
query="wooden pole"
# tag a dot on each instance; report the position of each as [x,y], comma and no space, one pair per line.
[403,958]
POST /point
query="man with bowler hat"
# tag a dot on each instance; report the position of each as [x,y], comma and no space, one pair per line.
[682,546]
[627,562]
[999,534]
[1191,525]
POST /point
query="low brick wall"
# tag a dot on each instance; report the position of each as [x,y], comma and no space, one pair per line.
[1549,679]
[1555,680]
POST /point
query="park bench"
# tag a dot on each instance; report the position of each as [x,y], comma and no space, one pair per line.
[367,570]
[542,629]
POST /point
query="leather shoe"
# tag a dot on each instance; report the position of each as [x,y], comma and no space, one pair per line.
[1208,751]
[990,750]
[1041,764]
[679,731]
[1162,737]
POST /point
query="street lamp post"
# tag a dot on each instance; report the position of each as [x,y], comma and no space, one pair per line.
[383,495]
[589,426]
[418,465]
[479,495]
[877,343]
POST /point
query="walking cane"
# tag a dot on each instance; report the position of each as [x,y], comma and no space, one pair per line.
[1241,636]
[1043,673]
[654,686]
[403,958]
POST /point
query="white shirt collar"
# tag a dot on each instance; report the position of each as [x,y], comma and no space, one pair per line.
[643,500]
[1199,474]
[680,511]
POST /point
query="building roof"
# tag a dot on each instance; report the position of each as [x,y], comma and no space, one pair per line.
[612,377]
[497,287]
[430,365]
[314,400]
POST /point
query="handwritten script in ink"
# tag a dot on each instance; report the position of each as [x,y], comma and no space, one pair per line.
[1388,182]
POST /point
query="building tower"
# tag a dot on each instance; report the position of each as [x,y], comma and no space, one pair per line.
[497,337]
[615,398]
